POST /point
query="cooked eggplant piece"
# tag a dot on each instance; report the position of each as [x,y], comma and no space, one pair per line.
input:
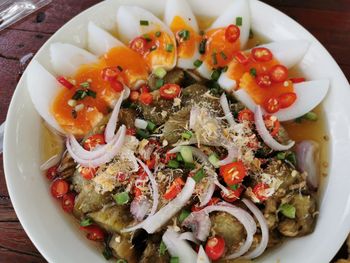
[151,254]
[176,125]
[127,117]
[122,248]
[229,228]
[175,76]
[88,200]
[67,166]
[112,218]
[78,181]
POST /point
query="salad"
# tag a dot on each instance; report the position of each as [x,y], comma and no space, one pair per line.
[172,142]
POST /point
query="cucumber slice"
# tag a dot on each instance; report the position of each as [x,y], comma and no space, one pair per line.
[186,154]
[213,159]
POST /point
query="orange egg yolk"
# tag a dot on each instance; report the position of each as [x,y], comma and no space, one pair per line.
[219,52]
[187,38]
[79,115]
[242,74]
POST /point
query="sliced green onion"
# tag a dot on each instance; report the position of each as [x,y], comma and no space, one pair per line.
[197,63]
[169,47]
[184,34]
[120,68]
[187,135]
[281,155]
[252,72]
[199,175]
[223,55]
[213,159]
[239,21]
[107,253]
[173,164]
[224,69]
[91,93]
[144,23]
[190,166]
[158,34]
[121,198]
[121,260]
[151,126]
[85,84]
[160,72]
[202,46]
[213,57]
[162,248]
[186,154]
[179,158]
[287,210]
[234,187]
[215,75]
[142,133]
[291,158]
[174,260]
[159,83]
[183,215]
[86,222]
[311,116]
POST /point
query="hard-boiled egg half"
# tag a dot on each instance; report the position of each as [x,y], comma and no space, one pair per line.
[147,35]
[228,34]
[182,22]
[260,77]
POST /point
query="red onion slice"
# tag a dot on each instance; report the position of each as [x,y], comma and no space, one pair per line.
[202,257]
[264,230]
[226,109]
[232,154]
[265,134]
[178,247]
[139,207]
[52,161]
[110,151]
[244,218]
[154,185]
[153,223]
[207,195]
[307,159]
[200,224]
[196,153]
[112,123]
[189,237]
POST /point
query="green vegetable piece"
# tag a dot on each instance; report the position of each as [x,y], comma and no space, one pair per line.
[291,158]
[162,248]
[151,126]
[86,222]
[252,72]
[183,215]
[158,34]
[311,116]
[144,23]
[122,198]
[169,47]
[189,166]
[199,175]
[184,34]
[223,55]
[174,260]
[281,155]
[197,63]
[216,74]
[107,253]
[173,164]
[214,58]
[239,21]
[121,260]
[143,134]
[159,83]
[179,158]
[85,84]
[91,93]
[287,210]
[186,154]
[234,187]
[187,135]
[160,72]
[214,159]
[202,46]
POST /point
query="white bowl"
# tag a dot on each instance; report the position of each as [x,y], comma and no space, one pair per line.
[58,238]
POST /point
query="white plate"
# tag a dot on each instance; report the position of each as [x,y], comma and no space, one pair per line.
[53,232]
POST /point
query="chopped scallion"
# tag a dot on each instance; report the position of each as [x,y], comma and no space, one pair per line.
[223,55]
[179,158]
[199,175]
[143,134]
[86,222]
[121,260]
[159,83]
[239,21]
[85,84]
[186,153]
[197,63]
[160,72]
[144,23]
[234,187]
[173,164]
[216,74]
[190,166]
[287,210]
[252,72]
[162,248]
[151,126]
[281,155]
[122,198]
[169,47]
[214,58]
[158,34]
[202,46]
[183,215]
[184,34]
[174,260]
[187,135]
[291,158]
[213,159]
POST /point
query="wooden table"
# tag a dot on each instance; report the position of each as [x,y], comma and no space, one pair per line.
[328,20]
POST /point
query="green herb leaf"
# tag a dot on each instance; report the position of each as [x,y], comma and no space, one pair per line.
[281,155]
[91,93]
[252,72]
[173,164]
[223,55]
[213,57]
[151,126]
[158,34]
[169,47]
[189,166]
[174,260]
[187,135]
[121,198]
[197,63]
[292,158]
[107,252]
[86,222]
[216,74]
[214,159]
[159,83]
[199,175]
[234,187]
[287,210]
[184,34]
[143,134]
[144,23]
[183,215]
[85,85]
[239,21]
[179,157]
[202,46]
[162,248]
[160,72]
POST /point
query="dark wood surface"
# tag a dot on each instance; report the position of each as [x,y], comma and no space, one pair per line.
[328,20]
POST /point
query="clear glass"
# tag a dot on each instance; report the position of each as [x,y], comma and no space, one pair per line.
[12,11]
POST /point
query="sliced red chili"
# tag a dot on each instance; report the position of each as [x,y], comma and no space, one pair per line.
[146,98]
[65,83]
[59,188]
[279,73]
[242,58]
[117,85]
[233,173]
[93,141]
[68,202]
[134,95]
[139,45]
[259,191]
[263,81]
[88,172]
[245,115]
[170,91]
[261,54]
[51,173]
[95,233]
[110,74]
[215,247]
[232,33]
[174,189]
[232,195]
[272,105]
[287,99]
[144,88]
